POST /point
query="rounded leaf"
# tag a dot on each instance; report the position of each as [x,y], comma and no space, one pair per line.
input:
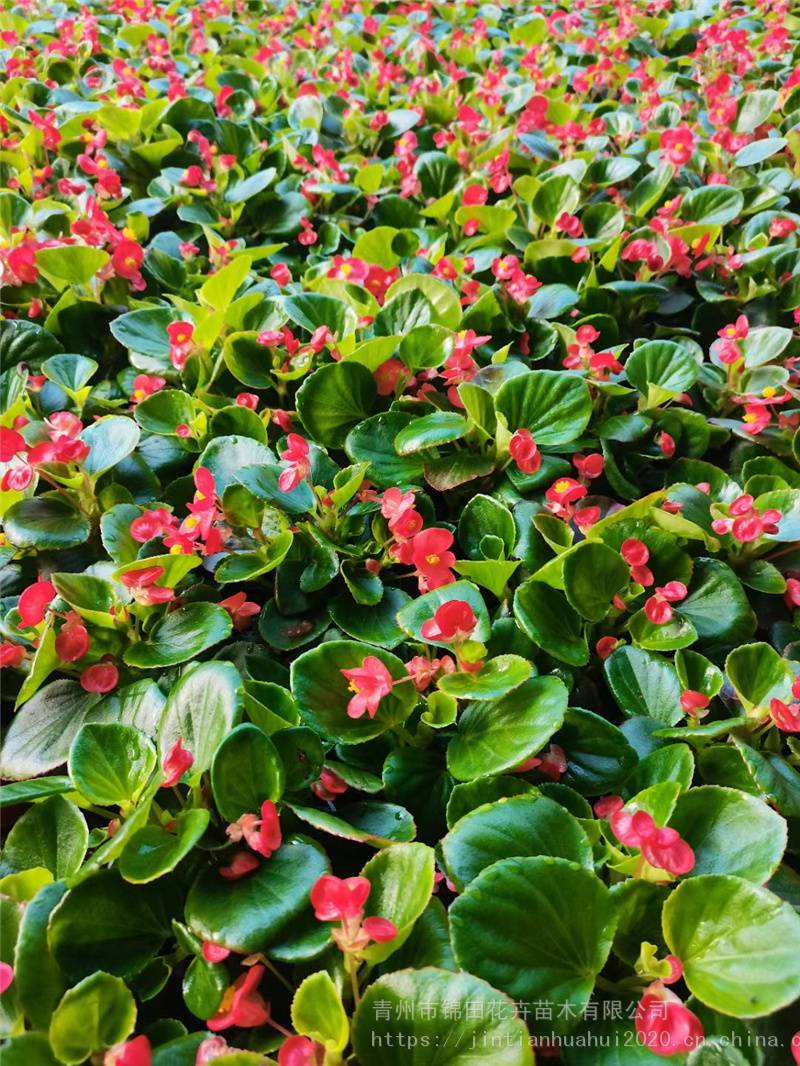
[553,405]
[738,943]
[516,825]
[497,735]
[538,929]
[407,1014]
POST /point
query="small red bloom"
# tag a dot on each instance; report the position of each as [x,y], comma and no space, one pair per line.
[11,442]
[34,601]
[6,976]
[566,490]
[634,552]
[432,558]
[677,145]
[786,716]
[242,1005]
[11,654]
[176,762]
[336,899]
[608,805]
[329,785]
[370,682]
[605,646]
[301,1051]
[454,621]
[242,863]
[214,952]
[665,1026]
[694,703]
[381,930]
[240,609]
[102,677]
[523,450]
[589,466]
[296,455]
[72,643]
[127,258]
[136,1052]
[262,834]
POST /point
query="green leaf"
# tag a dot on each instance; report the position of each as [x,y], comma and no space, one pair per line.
[69,372]
[317,1012]
[334,399]
[497,735]
[204,985]
[442,297]
[39,735]
[555,196]
[402,881]
[322,692]
[738,944]
[484,516]
[247,360]
[164,411]
[372,441]
[98,1012]
[763,344]
[677,633]
[759,675]
[218,291]
[110,763]
[717,606]
[593,574]
[105,923]
[72,264]
[755,108]
[378,625]
[262,481]
[202,709]
[548,619]
[431,431]
[245,188]
[38,788]
[599,758]
[181,635]
[368,822]
[225,457]
[537,928]
[246,770]
[145,331]
[667,366]
[314,309]
[110,440]
[152,851]
[250,914]
[496,678]
[38,981]
[514,826]
[47,522]
[421,1017]
[553,405]
[51,834]
[713,204]
[644,683]
[731,832]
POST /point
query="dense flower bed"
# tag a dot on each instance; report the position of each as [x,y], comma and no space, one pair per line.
[400,598]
